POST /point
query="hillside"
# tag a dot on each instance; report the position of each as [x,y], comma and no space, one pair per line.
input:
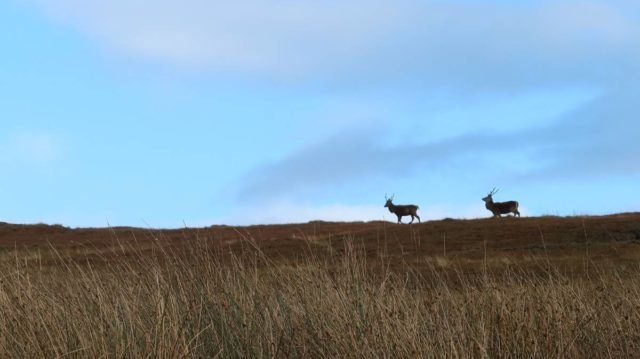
[529,287]
[566,241]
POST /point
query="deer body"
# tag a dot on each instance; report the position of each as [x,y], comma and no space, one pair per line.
[499,208]
[403,210]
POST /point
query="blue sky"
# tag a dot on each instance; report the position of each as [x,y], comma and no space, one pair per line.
[167,112]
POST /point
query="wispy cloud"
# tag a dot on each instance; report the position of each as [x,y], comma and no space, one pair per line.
[359,156]
[491,44]
[297,212]
[599,139]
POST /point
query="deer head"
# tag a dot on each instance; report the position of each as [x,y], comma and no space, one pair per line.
[389,202]
[489,197]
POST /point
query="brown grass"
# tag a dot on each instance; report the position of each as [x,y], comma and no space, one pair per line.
[343,295]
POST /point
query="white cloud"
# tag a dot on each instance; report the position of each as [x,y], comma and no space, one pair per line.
[293,212]
[248,35]
[467,211]
[439,42]
[289,212]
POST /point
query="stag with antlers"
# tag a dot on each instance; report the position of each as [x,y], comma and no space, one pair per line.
[498,208]
[402,210]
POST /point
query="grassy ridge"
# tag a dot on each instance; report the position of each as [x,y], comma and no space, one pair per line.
[208,299]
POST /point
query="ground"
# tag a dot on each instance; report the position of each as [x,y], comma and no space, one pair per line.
[566,242]
[509,287]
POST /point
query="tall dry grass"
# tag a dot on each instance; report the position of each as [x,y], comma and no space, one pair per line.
[203,300]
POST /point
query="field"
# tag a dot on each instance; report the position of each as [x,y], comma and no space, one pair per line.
[529,287]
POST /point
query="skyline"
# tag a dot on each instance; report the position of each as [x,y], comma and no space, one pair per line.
[163,113]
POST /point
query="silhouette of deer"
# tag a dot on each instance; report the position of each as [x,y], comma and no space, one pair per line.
[498,208]
[402,210]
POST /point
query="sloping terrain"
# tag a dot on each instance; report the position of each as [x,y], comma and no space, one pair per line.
[510,287]
[613,239]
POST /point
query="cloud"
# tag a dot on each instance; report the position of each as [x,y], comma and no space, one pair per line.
[596,140]
[455,44]
[297,212]
[293,212]
[358,156]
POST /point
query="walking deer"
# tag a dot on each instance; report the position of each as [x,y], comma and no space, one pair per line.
[498,208]
[402,210]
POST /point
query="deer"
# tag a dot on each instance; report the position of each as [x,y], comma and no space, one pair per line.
[402,210]
[498,208]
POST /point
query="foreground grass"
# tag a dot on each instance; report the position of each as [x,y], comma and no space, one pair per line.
[207,301]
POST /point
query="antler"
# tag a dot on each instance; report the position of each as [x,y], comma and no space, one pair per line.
[493,191]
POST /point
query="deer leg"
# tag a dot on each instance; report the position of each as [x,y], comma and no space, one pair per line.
[399,218]
[516,213]
[411,219]
[419,221]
